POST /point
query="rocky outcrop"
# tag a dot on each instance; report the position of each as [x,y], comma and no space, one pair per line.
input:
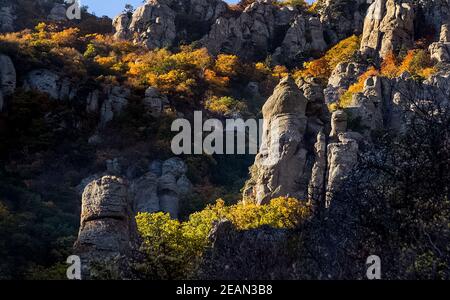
[440,51]
[58,13]
[162,188]
[152,24]
[154,102]
[289,162]
[7,78]
[303,36]
[342,18]
[159,23]
[7,17]
[264,253]
[107,235]
[107,229]
[252,34]
[158,187]
[116,101]
[344,75]
[48,82]
[280,164]
[388,27]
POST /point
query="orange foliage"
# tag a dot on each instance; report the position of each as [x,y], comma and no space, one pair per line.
[389,67]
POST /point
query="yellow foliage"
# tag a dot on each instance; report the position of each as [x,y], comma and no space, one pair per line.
[280,72]
[322,67]
[227,65]
[417,63]
[224,105]
[66,37]
[175,248]
[347,97]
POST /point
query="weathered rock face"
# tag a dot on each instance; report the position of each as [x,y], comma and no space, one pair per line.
[58,13]
[440,51]
[344,75]
[7,17]
[159,23]
[110,203]
[107,229]
[342,18]
[116,101]
[304,35]
[48,82]
[152,24]
[7,76]
[388,27]
[280,164]
[154,102]
[272,254]
[289,163]
[162,188]
[253,33]
[368,106]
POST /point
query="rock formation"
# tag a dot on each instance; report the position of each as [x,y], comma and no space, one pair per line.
[440,50]
[229,259]
[7,17]
[48,82]
[280,163]
[342,18]
[7,79]
[289,164]
[116,101]
[110,203]
[388,27]
[158,23]
[108,229]
[344,75]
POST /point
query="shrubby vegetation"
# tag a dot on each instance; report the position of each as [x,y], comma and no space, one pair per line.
[322,67]
[174,249]
[416,62]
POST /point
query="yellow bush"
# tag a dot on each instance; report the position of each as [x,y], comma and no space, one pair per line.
[175,248]
[346,98]
[417,63]
[322,67]
[224,105]
[227,65]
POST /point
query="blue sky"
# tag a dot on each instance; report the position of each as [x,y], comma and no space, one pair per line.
[111,8]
